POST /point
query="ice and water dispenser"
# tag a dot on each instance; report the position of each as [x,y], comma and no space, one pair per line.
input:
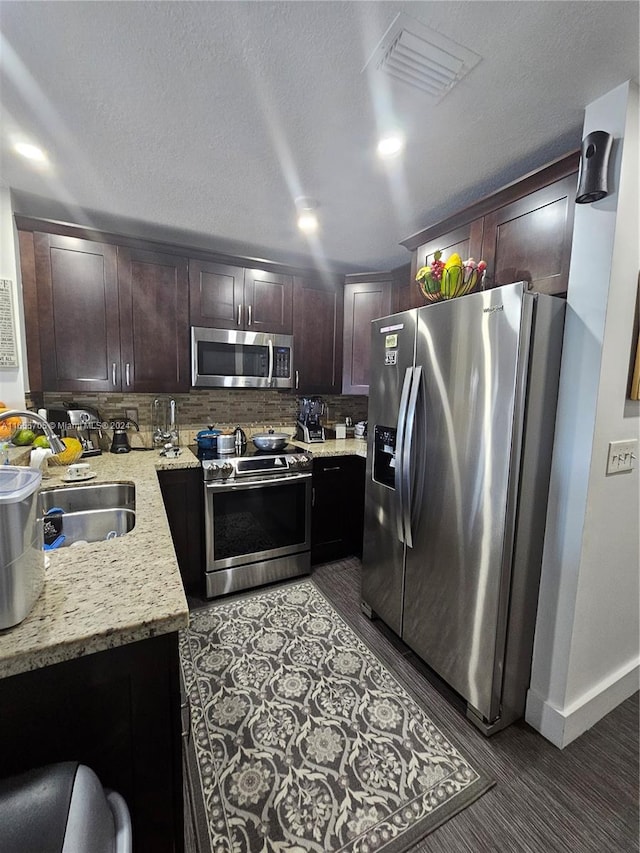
[384,455]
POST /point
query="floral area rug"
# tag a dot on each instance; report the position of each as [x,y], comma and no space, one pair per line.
[303,740]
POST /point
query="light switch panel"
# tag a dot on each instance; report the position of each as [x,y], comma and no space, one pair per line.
[623,456]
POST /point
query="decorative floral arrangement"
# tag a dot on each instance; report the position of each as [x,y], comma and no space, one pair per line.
[446,280]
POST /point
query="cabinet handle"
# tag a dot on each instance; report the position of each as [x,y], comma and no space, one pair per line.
[335,468]
[114,373]
[240,314]
[297,379]
[127,374]
[249,315]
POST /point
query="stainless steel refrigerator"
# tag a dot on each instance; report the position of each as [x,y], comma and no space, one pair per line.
[462,405]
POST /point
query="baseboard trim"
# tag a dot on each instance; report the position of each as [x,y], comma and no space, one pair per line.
[563,725]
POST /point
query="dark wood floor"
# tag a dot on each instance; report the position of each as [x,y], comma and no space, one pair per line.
[583,799]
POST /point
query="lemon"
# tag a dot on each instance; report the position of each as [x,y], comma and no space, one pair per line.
[71,453]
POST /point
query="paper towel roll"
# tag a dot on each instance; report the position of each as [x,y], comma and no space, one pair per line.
[38,457]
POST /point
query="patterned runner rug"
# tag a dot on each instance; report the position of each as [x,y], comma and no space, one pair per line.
[302,740]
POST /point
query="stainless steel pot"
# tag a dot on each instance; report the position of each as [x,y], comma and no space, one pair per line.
[227,443]
[271,440]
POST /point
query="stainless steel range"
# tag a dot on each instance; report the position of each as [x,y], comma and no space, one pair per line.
[257,518]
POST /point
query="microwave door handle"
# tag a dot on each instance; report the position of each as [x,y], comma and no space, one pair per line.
[407,455]
[270,376]
[398,478]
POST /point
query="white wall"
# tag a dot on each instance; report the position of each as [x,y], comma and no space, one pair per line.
[586,655]
[12,380]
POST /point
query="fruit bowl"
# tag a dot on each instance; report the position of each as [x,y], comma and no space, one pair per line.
[71,453]
[446,280]
[452,284]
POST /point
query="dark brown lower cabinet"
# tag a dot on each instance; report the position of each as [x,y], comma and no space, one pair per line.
[182,493]
[337,511]
[117,711]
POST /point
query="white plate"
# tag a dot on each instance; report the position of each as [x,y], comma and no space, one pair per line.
[90,476]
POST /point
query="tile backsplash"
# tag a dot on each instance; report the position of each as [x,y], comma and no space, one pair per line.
[203,407]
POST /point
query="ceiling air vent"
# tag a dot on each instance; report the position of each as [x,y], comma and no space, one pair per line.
[421,57]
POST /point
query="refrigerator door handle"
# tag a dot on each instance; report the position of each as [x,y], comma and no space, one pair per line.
[407,472]
[398,479]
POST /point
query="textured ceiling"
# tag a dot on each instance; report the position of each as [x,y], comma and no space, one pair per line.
[202,122]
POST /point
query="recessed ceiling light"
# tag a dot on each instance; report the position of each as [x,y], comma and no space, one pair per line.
[31,152]
[308,222]
[307,218]
[390,146]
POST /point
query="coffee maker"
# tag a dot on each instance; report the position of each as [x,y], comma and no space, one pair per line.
[309,425]
[78,421]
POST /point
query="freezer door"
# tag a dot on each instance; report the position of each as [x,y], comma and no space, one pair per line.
[392,354]
[473,352]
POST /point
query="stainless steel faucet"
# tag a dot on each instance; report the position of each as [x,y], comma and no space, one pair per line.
[55,442]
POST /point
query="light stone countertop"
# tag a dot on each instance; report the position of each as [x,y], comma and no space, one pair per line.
[106,594]
[335,447]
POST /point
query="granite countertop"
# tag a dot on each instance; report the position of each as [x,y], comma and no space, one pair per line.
[106,594]
[335,447]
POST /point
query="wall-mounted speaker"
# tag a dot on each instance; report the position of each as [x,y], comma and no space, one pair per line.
[593,182]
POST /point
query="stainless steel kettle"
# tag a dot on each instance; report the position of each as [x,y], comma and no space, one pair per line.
[240,439]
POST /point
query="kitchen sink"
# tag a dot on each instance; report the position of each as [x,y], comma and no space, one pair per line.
[91,513]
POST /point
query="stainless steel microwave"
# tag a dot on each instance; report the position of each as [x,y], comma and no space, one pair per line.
[225,358]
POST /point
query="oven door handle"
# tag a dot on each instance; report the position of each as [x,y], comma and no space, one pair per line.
[256,484]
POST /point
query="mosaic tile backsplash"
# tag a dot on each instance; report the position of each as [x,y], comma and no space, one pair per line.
[251,408]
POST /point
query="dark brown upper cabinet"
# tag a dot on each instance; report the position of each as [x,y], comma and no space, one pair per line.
[108,318]
[523,232]
[74,297]
[154,321]
[530,239]
[366,297]
[231,297]
[317,329]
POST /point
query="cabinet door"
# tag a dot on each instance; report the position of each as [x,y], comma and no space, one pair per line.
[77,304]
[337,510]
[530,239]
[363,302]
[317,330]
[154,321]
[182,493]
[118,712]
[268,302]
[216,295]
[466,241]
[405,289]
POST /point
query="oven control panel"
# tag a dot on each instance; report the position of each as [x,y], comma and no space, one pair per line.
[257,467]
[217,470]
